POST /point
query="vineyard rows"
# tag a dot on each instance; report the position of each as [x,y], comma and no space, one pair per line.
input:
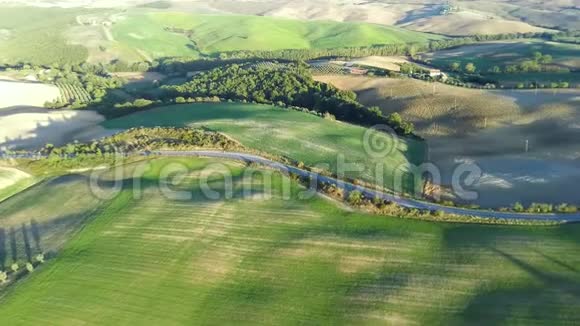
[327,69]
[71,93]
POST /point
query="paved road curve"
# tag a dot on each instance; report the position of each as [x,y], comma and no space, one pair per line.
[371,193]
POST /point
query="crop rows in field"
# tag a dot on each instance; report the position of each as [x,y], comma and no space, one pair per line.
[71,93]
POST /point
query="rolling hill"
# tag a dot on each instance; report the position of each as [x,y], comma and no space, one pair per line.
[221,33]
[58,35]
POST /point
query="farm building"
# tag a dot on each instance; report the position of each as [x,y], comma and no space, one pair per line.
[435,73]
[357,71]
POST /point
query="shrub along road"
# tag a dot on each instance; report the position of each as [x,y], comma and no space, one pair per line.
[371,193]
[348,187]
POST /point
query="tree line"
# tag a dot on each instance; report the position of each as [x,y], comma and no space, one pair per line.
[143,139]
[410,49]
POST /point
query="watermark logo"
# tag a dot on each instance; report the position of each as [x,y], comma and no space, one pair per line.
[380,141]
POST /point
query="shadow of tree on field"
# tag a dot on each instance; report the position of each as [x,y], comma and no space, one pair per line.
[548,295]
[557,262]
[26,241]
[3,248]
[13,244]
[35,230]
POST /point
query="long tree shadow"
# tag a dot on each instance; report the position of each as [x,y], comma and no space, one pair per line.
[26,242]
[34,229]
[3,248]
[557,262]
[549,296]
[13,245]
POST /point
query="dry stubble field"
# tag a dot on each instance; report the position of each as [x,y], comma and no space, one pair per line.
[25,124]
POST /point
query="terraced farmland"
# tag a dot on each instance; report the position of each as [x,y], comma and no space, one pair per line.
[297,135]
[143,258]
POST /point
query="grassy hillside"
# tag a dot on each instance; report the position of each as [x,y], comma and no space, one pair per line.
[214,33]
[149,259]
[300,136]
[38,35]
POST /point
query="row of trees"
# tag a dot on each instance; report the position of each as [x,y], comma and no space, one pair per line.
[85,67]
[15,269]
[382,50]
[538,62]
[469,68]
[567,37]
[142,139]
[291,85]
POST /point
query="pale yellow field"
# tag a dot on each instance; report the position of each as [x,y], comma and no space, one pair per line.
[32,128]
[10,176]
[24,124]
[15,93]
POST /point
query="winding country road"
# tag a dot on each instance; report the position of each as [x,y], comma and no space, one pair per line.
[371,193]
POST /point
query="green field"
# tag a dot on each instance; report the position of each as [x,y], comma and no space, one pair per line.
[296,135]
[152,260]
[490,54]
[214,33]
[38,35]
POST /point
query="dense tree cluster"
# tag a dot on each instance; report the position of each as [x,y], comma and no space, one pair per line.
[289,86]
